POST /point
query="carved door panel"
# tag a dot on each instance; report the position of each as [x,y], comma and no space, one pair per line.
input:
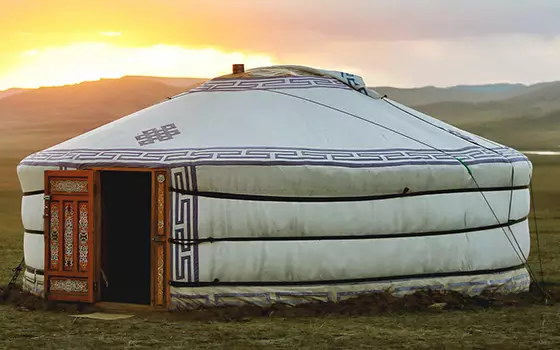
[69,236]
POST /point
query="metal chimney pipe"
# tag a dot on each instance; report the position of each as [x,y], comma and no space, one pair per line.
[238,68]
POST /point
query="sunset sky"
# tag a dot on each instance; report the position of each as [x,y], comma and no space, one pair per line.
[390,42]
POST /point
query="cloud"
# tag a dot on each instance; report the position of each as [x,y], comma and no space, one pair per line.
[499,58]
[396,42]
[263,22]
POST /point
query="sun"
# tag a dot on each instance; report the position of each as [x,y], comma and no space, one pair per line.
[74,63]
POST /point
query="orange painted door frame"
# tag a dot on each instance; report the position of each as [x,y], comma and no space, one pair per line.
[72,245]
[160,234]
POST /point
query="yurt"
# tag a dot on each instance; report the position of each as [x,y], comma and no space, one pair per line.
[282,184]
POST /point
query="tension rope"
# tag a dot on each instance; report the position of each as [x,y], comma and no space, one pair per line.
[520,253]
[16,272]
[534,210]
[521,256]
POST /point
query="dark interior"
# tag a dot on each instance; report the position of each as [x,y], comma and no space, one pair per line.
[125,248]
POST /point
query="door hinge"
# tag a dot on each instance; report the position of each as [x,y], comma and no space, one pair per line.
[95,286]
[47,197]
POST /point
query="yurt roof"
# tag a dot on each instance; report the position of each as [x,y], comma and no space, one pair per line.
[288,115]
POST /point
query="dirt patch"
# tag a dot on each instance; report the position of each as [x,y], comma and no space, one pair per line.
[364,305]
[24,301]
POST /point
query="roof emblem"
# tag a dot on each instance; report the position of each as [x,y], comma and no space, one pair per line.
[164,133]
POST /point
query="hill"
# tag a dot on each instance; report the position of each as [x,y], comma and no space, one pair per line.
[39,118]
[98,101]
[462,93]
[529,133]
[536,101]
[9,92]
[185,83]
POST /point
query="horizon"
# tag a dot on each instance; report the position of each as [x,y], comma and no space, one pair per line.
[402,44]
[205,78]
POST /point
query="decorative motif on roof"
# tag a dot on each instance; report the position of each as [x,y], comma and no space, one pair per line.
[164,133]
[289,77]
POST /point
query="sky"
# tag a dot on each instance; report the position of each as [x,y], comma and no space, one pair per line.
[404,43]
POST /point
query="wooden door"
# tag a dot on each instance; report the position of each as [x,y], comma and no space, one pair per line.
[69,236]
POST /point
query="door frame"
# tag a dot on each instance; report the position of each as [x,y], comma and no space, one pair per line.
[160,252]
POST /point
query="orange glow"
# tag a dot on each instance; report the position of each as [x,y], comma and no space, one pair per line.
[74,63]
[59,42]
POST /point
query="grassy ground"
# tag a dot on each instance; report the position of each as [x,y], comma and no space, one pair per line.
[535,326]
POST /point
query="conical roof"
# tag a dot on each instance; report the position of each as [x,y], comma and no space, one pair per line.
[282,116]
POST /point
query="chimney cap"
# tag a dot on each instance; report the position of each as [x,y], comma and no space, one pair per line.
[238,68]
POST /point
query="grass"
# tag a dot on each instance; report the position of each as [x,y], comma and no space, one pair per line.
[536,326]
[497,329]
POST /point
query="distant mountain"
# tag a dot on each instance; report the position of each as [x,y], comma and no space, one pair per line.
[545,97]
[529,133]
[533,101]
[467,113]
[460,93]
[490,88]
[44,117]
[186,83]
[10,92]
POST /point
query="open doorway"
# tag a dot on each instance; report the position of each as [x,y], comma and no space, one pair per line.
[126,201]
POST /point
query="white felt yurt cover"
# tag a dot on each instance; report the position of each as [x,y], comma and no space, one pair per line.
[292,184]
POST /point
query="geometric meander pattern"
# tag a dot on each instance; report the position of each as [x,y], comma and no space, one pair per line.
[218,85]
[276,156]
[83,226]
[184,225]
[54,235]
[68,235]
[69,186]
[69,285]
